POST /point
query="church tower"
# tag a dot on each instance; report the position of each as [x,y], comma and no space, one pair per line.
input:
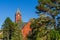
[17,16]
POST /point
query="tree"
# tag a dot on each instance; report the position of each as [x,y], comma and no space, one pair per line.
[49,7]
[17,34]
[54,35]
[7,28]
[43,26]
[39,28]
[11,30]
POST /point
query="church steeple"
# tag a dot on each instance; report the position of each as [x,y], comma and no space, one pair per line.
[18,11]
[18,16]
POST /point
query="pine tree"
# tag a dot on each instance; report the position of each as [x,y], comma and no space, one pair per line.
[7,28]
[49,7]
[43,26]
[17,34]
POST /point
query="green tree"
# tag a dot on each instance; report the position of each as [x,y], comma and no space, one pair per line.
[54,35]
[49,7]
[11,30]
[7,28]
[17,34]
[39,30]
[46,23]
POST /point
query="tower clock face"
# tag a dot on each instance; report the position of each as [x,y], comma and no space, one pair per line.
[18,15]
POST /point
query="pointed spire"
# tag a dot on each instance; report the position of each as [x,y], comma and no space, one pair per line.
[18,11]
[17,15]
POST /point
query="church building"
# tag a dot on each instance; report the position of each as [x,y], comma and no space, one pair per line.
[26,27]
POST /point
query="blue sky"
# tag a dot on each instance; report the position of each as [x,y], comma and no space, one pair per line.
[8,8]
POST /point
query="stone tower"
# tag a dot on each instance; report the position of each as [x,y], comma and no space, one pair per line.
[17,16]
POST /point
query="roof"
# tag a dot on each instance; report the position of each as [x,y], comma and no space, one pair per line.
[18,11]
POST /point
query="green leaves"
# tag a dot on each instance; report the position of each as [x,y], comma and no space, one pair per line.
[54,35]
[47,6]
[43,28]
[17,34]
[7,28]
[11,30]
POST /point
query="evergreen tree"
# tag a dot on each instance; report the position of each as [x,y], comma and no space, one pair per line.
[17,34]
[42,27]
[11,30]
[7,28]
[49,7]
[39,29]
